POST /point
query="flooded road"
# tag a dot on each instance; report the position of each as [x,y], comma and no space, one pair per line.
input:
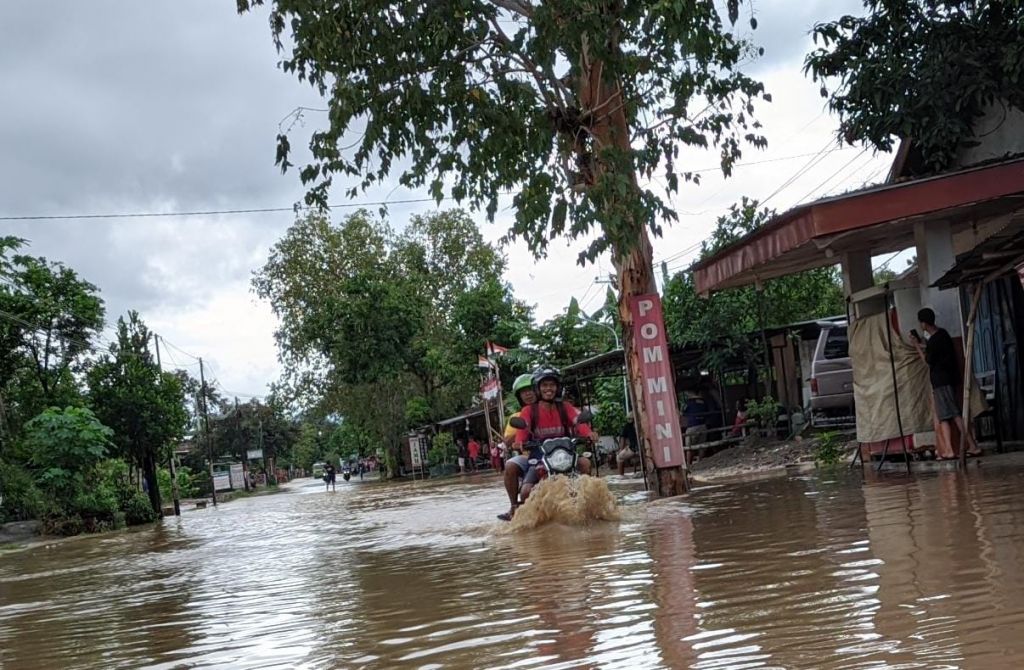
[800,572]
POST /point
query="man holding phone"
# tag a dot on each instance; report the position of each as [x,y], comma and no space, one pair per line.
[944,372]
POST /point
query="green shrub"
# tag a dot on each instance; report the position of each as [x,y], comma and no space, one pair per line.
[21,498]
[186,487]
[98,509]
[443,450]
[827,451]
[138,510]
[65,444]
[765,413]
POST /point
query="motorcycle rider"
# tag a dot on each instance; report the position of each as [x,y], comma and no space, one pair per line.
[548,416]
[517,465]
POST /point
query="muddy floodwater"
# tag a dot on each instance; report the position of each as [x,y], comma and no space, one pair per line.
[806,571]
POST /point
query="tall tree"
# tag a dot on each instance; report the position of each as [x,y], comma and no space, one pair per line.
[144,406]
[399,319]
[567,104]
[920,69]
[49,317]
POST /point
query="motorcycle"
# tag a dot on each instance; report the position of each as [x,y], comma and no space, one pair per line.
[346,473]
[559,455]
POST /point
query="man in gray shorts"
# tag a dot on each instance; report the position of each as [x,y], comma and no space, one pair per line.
[944,372]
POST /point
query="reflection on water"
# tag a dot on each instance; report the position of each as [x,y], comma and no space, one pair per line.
[806,572]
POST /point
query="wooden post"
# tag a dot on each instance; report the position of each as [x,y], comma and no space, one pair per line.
[969,371]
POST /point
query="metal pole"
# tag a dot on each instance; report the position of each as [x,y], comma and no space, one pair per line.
[895,390]
[206,423]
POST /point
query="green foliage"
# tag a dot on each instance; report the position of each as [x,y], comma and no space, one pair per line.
[306,450]
[723,324]
[920,69]
[52,317]
[21,498]
[186,486]
[64,446]
[144,406]
[253,425]
[112,476]
[384,329]
[350,439]
[569,338]
[417,411]
[138,510]
[827,450]
[442,450]
[564,104]
[610,414]
[764,413]
[98,509]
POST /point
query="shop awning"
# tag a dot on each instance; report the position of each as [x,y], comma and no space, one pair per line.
[877,220]
[462,417]
[997,255]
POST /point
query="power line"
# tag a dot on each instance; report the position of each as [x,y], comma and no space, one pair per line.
[272,210]
[833,175]
[820,156]
[179,349]
[150,215]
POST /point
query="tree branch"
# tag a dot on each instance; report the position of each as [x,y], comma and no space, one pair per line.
[519,7]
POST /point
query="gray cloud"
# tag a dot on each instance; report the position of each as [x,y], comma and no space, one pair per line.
[117,106]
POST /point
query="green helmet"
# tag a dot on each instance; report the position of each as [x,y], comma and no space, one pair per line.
[522,383]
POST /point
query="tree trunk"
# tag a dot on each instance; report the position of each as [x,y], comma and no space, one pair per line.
[634,263]
[152,483]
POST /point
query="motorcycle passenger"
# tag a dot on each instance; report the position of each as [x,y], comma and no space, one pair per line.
[548,417]
[517,465]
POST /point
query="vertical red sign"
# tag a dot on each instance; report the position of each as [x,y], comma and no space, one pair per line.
[659,394]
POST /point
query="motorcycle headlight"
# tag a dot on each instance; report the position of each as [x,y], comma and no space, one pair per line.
[559,461]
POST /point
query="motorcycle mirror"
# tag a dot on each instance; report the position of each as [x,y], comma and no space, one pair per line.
[586,416]
[517,422]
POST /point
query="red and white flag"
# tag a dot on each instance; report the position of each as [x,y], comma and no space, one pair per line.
[484,362]
[489,389]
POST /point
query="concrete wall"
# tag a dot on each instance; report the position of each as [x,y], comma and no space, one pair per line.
[935,257]
[1000,132]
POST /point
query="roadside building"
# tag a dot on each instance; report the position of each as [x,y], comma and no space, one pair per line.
[966,227]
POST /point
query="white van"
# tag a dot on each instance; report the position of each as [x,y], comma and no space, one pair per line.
[832,372]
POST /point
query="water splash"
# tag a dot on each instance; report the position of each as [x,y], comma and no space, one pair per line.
[575,501]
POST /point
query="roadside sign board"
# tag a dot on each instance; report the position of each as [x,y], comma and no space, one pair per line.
[659,393]
[254,454]
[237,476]
[416,448]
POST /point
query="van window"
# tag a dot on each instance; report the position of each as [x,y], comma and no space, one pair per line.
[837,345]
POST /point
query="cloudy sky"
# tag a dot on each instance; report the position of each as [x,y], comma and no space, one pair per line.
[126,107]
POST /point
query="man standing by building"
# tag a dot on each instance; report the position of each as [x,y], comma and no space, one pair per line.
[944,372]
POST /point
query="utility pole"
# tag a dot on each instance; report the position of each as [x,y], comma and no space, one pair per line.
[242,448]
[175,494]
[206,424]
